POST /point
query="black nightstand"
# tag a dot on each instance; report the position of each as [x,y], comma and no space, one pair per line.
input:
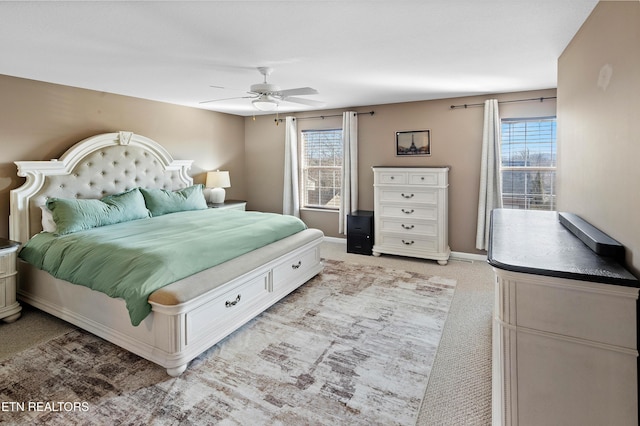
[360,232]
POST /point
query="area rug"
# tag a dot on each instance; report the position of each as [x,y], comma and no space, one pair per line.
[353,346]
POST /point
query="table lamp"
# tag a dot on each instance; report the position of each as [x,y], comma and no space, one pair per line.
[217,181]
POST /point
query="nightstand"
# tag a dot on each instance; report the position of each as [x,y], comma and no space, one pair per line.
[360,232]
[10,309]
[229,204]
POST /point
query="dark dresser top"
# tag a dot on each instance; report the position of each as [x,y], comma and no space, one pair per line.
[535,242]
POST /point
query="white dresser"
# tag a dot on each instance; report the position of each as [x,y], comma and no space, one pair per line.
[411,213]
[564,327]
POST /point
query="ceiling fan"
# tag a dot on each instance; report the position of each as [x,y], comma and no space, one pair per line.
[267,96]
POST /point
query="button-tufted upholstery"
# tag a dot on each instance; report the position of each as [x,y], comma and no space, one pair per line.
[100,165]
[107,171]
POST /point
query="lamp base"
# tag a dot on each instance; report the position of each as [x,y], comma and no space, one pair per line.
[216,196]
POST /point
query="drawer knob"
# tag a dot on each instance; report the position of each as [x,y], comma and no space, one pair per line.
[392,177]
[407,226]
[230,303]
[297,265]
[408,196]
[407,211]
[408,243]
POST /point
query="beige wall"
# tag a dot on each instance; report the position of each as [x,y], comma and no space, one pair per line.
[456,142]
[39,121]
[599,124]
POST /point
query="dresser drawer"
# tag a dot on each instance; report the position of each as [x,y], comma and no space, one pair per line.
[410,227]
[408,195]
[228,305]
[590,312]
[426,178]
[392,178]
[408,242]
[422,212]
[294,268]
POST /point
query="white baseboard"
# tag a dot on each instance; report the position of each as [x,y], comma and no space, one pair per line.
[456,255]
[335,240]
[468,257]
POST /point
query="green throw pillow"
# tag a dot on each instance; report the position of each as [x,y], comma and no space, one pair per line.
[74,214]
[161,201]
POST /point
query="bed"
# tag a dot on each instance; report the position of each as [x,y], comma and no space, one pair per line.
[186,316]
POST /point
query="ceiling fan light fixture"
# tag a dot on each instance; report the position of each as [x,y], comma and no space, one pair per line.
[265,103]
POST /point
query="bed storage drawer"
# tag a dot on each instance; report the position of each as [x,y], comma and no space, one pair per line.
[229,305]
[293,269]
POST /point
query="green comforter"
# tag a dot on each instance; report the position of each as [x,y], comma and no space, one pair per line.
[133,259]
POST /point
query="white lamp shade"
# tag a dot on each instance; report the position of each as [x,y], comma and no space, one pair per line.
[218,179]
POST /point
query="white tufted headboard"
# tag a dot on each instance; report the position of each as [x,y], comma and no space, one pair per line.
[97,166]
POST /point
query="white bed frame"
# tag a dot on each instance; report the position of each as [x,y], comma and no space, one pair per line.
[174,333]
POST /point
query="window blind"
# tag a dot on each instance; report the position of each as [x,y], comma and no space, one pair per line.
[528,163]
[321,169]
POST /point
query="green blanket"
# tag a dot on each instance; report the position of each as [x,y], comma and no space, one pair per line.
[133,259]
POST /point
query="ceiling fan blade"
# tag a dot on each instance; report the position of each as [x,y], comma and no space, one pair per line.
[298,91]
[226,88]
[227,99]
[303,101]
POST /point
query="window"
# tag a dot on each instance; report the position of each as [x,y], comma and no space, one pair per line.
[321,168]
[528,163]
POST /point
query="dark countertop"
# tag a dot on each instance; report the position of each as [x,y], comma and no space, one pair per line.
[535,242]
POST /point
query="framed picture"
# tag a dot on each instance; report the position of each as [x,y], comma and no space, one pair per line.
[413,143]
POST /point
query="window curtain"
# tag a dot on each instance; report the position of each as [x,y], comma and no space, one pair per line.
[490,180]
[349,187]
[291,198]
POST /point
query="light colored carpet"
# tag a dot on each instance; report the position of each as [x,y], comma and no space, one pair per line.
[32,328]
[459,388]
[353,346]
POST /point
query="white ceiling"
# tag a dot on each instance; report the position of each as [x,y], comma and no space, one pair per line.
[354,53]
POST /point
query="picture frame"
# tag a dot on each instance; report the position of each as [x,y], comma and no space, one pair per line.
[413,143]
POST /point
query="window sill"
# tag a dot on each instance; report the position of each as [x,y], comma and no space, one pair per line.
[311,209]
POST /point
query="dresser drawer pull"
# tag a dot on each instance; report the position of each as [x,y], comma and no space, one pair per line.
[408,243]
[392,177]
[230,303]
[297,265]
[407,226]
[408,196]
[407,211]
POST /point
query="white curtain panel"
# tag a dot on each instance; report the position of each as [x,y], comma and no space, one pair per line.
[490,180]
[291,198]
[349,189]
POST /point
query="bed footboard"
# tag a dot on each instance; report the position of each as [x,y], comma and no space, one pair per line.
[172,335]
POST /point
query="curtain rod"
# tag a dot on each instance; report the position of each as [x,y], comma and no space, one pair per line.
[323,116]
[503,102]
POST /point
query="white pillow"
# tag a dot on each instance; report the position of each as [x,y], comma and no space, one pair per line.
[48,224]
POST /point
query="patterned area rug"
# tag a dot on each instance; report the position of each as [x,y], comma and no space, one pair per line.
[353,346]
